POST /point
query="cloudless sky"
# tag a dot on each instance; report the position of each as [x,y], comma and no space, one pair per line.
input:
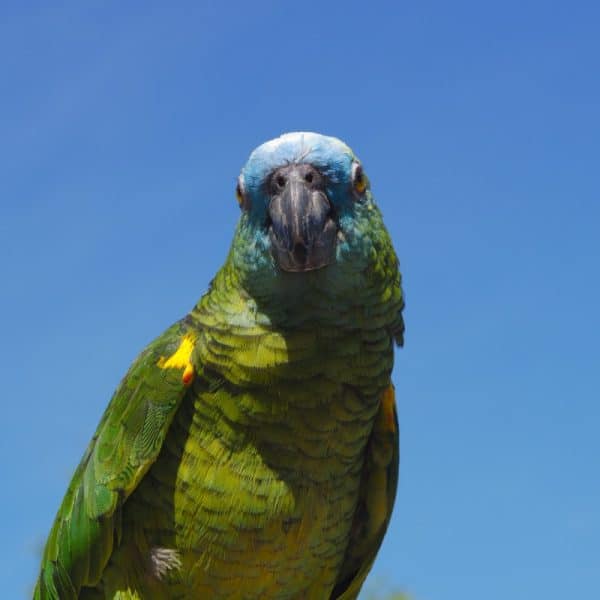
[123,126]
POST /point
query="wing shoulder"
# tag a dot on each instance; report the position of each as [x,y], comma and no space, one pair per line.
[124,446]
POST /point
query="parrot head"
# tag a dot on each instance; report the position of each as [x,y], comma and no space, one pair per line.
[307,212]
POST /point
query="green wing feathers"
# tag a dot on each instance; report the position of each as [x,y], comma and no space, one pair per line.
[376,500]
[126,443]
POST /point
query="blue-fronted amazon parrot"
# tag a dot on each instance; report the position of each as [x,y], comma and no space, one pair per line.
[251,450]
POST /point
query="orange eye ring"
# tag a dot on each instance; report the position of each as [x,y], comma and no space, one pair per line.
[359,179]
[240,195]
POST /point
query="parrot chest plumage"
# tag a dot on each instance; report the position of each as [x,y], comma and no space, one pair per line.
[256,487]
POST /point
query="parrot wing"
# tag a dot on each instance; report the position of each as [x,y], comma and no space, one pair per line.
[376,500]
[126,443]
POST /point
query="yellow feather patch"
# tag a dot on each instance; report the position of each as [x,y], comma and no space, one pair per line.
[180,359]
[388,403]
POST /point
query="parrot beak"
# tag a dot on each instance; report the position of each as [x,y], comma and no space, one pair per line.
[302,231]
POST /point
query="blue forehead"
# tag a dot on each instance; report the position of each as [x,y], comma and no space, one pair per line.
[330,155]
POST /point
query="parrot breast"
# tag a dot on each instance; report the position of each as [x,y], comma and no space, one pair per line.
[256,485]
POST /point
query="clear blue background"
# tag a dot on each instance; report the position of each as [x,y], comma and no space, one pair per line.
[123,127]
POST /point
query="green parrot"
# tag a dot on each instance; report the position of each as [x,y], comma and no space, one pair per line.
[251,450]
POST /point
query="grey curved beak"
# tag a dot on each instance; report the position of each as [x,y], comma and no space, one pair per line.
[302,231]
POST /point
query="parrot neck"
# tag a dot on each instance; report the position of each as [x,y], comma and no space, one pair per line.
[329,322]
[295,364]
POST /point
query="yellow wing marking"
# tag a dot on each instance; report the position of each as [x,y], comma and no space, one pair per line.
[386,414]
[181,358]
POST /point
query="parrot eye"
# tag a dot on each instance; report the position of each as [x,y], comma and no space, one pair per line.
[359,179]
[241,196]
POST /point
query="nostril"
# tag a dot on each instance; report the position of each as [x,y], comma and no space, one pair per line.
[300,252]
[308,178]
[280,181]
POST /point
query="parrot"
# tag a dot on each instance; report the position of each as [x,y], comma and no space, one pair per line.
[252,449]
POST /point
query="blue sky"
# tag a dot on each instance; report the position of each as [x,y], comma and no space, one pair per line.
[123,128]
